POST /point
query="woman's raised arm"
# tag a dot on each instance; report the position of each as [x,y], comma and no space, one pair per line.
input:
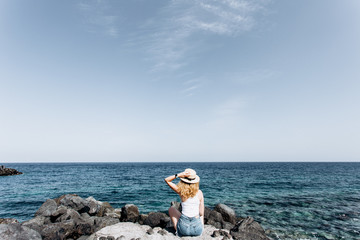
[171,178]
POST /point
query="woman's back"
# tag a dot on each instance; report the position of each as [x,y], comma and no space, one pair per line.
[190,207]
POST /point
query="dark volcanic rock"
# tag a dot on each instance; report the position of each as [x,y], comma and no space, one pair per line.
[72,201]
[61,210]
[70,214]
[142,218]
[8,220]
[84,228]
[58,231]
[227,213]
[105,208]
[92,207]
[129,213]
[14,231]
[37,223]
[227,225]
[222,217]
[248,229]
[8,171]
[157,219]
[215,219]
[207,212]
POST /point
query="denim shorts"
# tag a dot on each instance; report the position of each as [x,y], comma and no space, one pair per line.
[189,226]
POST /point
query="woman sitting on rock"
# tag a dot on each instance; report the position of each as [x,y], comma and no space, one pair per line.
[190,222]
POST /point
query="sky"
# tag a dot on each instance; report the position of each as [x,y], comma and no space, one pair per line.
[179,80]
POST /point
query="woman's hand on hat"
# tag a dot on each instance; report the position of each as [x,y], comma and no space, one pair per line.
[184,174]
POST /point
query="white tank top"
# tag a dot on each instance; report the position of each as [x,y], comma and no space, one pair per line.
[190,207]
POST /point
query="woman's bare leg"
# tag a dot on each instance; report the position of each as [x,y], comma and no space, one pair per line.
[174,215]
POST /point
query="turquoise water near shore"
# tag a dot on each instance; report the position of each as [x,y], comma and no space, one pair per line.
[294,200]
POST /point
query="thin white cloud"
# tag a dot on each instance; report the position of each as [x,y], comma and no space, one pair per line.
[192,81]
[167,37]
[173,37]
[191,89]
[172,44]
[257,75]
[192,85]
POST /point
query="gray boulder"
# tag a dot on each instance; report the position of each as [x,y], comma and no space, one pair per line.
[58,231]
[105,208]
[113,215]
[248,229]
[142,218]
[70,214]
[36,223]
[92,207]
[129,213]
[215,219]
[72,201]
[61,210]
[227,213]
[157,219]
[227,225]
[47,208]
[83,228]
[15,231]
[207,212]
[85,215]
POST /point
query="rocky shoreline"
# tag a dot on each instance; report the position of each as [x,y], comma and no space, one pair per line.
[8,171]
[72,217]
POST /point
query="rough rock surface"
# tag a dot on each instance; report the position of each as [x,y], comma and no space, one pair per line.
[129,213]
[157,219]
[47,208]
[214,218]
[248,229]
[127,230]
[8,220]
[8,171]
[14,231]
[37,223]
[74,202]
[227,213]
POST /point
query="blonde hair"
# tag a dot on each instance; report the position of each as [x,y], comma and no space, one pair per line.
[188,190]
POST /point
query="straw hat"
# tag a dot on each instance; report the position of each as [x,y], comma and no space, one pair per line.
[192,178]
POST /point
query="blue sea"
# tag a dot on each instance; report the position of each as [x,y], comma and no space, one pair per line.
[293,200]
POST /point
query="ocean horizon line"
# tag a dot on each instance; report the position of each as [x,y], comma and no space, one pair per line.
[104,162]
